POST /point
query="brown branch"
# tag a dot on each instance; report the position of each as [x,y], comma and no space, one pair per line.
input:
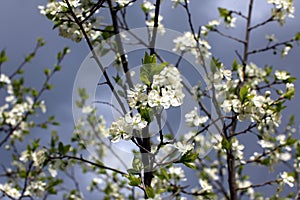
[96,57]
[113,13]
[155,27]
[81,159]
[270,47]
[262,23]
[228,36]
[259,185]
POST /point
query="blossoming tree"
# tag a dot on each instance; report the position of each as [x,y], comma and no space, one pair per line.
[206,156]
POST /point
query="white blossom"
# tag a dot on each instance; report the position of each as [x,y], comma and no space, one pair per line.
[39,157]
[123,127]
[266,144]
[282,75]
[193,119]
[183,147]
[147,6]
[178,172]
[212,173]
[187,43]
[136,96]
[4,79]
[176,2]
[205,185]
[271,37]
[287,179]
[150,23]
[10,190]
[87,109]
[166,89]
[123,2]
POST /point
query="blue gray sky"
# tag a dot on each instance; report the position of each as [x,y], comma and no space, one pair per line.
[21,25]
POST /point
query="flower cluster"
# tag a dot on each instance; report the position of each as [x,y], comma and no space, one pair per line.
[249,104]
[282,8]
[192,44]
[193,119]
[123,2]
[147,6]
[164,91]
[59,13]
[16,108]
[150,23]
[176,2]
[124,127]
[211,26]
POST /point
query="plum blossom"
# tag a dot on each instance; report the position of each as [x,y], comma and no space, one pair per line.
[187,43]
[123,2]
[147,6]
[230,104]
[287,179]
[282,9]
[183,147]
[4,79]
[54,10]
[205,185]
[123,127]
[10,190]
[193,120]
[150,23]
[177,172]
[136,96]
[166,88]
[176,2]
[271,38]
[39,157]
[282,75]
[266,144]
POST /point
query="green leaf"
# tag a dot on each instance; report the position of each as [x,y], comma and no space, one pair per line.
[149,59]
[49,86]
[118,79]
[61,147]
[190,165]
[108,32]
[34,92]
[150,192]
[137,163]
[289,94]
[133,171]
[41,42]
[59,55]
[145,72]
[223,12]
[147,114]
[290,80]
[3,57]
[235,65]
[290,141]
[57,68]
[29,57]
[243,93]
[133,180]
[150,68]
[47,71]
[297,36]
[188,157]
[225,144]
